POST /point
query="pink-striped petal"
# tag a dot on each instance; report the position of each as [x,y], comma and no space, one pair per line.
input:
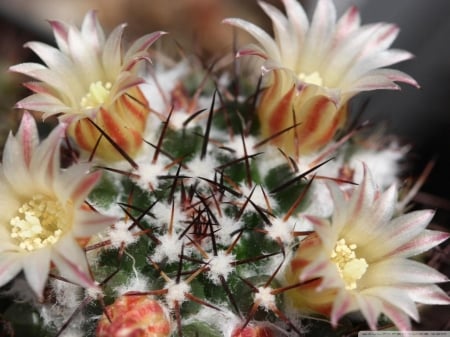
[421,243]
[88,223]
[61,33]
[142,44]
[347,24]
[43,102]
[342,305]
[71,262]
[297,18]
[112,51]
[427,294]
[395,271]
[92,31]
[10,266]
[260,35]
[395,297]
[36,267]
[370,307]
[400,319]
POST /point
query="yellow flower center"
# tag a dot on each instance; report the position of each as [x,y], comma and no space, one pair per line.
[97,95]
[40,222]
[350,268]
[312,78]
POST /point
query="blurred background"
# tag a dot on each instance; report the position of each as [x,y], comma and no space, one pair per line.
[418,116]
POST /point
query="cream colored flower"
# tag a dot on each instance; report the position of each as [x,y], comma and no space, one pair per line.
[359,260]
[90,76]
[316,67]
[42,211]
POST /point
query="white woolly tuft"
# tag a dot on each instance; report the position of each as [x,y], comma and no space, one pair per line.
[134,283]
[220,265]
[148,174]
[282,230]
[176,292]
[228,230]
[265,298]
[120,234]
[170,247]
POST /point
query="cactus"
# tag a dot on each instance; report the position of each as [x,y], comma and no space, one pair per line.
[215,228]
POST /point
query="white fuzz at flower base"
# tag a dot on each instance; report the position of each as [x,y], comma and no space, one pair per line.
[358,260]
[42,212]
[312,68]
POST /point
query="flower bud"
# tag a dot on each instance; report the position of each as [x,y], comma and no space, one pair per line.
[134,316]
[252,331]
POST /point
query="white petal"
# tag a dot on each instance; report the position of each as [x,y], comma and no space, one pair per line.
[92,31]
[343,304]
[260,35]
[14,167]
[48,104]
[372,223]
[320,35]
[141,45]
[397,317]
[61,65]
[61,32]
[396,297]
[400,231]
[71,262]
[10,266]
[349,22]
[75,183]
[297,18]
[421,243]
[398,270]
[287,42]
[370,307]
[88,223]
[45,164]
[427,294]
[86,59]
[36,266]
[42,73]
[112,53]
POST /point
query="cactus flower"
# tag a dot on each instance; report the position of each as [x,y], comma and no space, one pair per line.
[42,211]
[359,260]
[134,316]
[315,67]
[90,76]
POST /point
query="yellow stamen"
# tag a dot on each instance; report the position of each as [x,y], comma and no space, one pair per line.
[312,78]
[40,222]
[97,95]
[350,268]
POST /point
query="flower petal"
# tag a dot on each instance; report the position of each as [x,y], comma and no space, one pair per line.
[399,270]
[88,223]
[36,266]
[370,307]
[71,262]
[342,305]
[260,35]
[421,243]
[10,266]
[394,296]
[397,317]
[427,294]
[92,31]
